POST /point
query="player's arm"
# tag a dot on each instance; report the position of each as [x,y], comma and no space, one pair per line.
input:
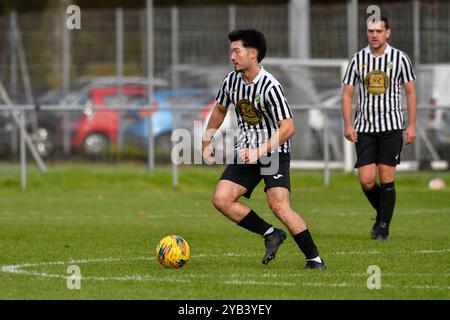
[286,129]
[346,100]
[411,103]
[215,120]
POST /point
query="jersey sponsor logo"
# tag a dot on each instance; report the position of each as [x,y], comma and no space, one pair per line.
[278,176]
[258,98]
[390,65]
[248,112]
[376,82]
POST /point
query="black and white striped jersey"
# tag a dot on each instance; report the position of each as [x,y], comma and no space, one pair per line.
[259,105]
[379,81]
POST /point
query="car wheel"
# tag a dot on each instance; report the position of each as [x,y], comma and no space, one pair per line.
[95,144]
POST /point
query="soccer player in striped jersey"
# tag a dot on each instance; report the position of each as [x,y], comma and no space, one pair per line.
[265,125]
[378,130]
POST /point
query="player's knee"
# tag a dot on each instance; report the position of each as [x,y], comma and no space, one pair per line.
[367,183]
[387,173]
[387,177]
[221,202]
[280,209]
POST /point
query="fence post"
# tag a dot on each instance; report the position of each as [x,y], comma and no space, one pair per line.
[326,151]
[174,163]
[174,53]
[231,17]
[119,74]
[175,82]
[416,31]
[13,73]
[23,152]
[151,140]
[352,26]
[416,35]
[65,83]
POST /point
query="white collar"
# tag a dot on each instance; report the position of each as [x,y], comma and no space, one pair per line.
[258,76]
[386,50]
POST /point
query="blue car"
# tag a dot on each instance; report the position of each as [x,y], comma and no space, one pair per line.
[136,132]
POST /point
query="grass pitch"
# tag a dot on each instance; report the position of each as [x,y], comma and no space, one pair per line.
[107,220]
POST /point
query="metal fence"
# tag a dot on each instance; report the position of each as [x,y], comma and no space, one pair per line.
[41,62]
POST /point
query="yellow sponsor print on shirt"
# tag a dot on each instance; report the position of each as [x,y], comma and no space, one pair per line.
[376,82]
[248,112]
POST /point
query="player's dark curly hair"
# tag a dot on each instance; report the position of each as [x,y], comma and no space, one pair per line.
[250,38]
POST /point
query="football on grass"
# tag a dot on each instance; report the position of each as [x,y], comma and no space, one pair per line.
[173,252]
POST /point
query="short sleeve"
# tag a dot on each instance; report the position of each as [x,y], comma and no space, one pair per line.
[279,106]
[351,76]
[407,71]
[223,97]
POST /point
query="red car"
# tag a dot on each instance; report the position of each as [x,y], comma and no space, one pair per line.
[96,130]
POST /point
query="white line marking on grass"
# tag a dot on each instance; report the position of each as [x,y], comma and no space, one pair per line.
[355,252]
[260,283]
[93,217]
[367,252]
[432,251]
[427,287]
[385,252]
[17,269]
[433,211]
[368,214]
[237,278]
[333,285]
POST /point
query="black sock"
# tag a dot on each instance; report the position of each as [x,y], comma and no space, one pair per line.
[306,244]
[387,203]
[373,195]
[254,223]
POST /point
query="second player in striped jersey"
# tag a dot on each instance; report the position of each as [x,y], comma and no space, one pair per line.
[380,72]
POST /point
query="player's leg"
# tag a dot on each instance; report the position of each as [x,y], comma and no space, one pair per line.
[237,181]
[278,189]
[226,197]
[367,175]
[390,147]
[366,152]
[366,162]
[367,178]
[279,202]
[387,198]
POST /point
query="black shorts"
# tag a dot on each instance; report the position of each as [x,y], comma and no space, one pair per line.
[380,148]
[249,175]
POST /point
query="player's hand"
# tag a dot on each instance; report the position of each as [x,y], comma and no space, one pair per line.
[249,155]
[208,153]
[410,134]
[351,134]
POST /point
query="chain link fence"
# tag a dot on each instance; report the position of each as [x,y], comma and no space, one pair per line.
[106,62]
